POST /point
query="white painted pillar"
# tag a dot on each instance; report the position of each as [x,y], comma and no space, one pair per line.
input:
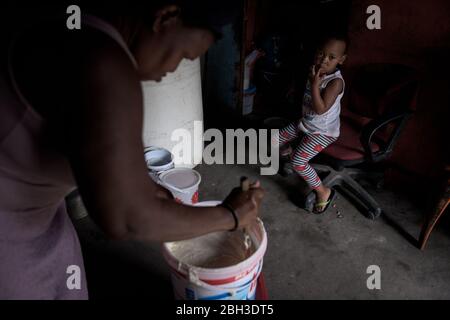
[175,103]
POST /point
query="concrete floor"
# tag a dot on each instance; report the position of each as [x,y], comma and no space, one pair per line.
[308,256]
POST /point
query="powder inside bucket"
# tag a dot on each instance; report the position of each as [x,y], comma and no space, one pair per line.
[214,250]
[181,178]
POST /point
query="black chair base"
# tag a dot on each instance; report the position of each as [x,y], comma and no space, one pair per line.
[345,180]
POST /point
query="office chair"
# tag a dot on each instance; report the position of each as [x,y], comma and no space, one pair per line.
[381,98]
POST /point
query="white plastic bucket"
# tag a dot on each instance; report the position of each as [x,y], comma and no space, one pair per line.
[183,183]
[235,282]
[249,97]
[172,104]
[158,159]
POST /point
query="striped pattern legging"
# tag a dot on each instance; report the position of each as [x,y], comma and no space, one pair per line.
[309,146]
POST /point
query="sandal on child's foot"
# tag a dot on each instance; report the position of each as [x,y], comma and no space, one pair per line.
[322,206]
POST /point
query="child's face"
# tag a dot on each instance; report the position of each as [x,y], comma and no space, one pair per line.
[330,55]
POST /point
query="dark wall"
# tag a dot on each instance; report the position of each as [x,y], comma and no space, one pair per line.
[288,32]
[415,33]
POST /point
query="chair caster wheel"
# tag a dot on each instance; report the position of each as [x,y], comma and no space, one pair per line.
[287,170]
[372,215]
[379,184]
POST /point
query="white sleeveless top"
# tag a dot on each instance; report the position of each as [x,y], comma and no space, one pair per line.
[327,123]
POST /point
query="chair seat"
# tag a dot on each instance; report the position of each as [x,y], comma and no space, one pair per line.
[348,145]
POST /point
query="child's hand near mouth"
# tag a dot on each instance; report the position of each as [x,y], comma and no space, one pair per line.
[316,77]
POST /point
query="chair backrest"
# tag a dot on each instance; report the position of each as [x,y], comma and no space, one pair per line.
[382,88]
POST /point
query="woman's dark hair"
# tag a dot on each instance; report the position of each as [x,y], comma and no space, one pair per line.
[206,14]
[211,15]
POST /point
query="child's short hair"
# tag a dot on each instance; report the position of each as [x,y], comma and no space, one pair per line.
[336,35]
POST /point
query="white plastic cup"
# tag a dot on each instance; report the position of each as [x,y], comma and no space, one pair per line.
[158,160]
[249,97]
[182,183]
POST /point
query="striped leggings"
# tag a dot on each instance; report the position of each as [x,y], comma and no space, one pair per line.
[309,146]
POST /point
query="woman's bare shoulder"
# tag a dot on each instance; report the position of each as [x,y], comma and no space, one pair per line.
[51,63]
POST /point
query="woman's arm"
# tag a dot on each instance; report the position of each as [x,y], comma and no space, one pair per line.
[102,127]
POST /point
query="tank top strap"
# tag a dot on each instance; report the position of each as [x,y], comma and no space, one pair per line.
[86,19]
[105,27]
[336,75]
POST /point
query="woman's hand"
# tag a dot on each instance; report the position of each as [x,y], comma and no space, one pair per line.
[246,204]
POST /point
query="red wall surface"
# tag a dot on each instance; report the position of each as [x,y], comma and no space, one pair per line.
[414,33]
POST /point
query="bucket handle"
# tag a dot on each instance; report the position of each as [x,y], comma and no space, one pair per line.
[193,277]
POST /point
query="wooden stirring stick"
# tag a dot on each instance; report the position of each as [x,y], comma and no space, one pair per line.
[245,186]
